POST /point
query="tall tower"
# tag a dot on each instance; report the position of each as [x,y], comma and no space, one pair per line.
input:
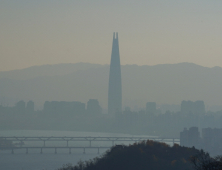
[115,84]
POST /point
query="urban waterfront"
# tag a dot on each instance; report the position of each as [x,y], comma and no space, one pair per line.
[49,160]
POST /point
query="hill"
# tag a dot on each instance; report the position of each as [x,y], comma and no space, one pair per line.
[146,155]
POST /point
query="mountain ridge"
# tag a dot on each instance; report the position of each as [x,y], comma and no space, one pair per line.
[49,69]
[164,84]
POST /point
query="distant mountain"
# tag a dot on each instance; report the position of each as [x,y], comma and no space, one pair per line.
[47,70]
[167,83]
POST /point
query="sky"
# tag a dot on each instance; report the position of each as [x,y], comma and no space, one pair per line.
[70,31]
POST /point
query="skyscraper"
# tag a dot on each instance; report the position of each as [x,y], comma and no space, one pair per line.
[115,84]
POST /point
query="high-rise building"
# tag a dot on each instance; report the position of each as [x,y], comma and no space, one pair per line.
[151,108]
[93,107]
[190,137]
[20,107]
[115,84]
[30,107]
[196,107]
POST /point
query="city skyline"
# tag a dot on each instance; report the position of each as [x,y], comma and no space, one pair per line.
[69,86]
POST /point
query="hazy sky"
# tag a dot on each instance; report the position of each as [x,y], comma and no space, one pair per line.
[36,32]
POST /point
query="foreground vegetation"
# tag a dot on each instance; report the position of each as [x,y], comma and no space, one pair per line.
[146,155]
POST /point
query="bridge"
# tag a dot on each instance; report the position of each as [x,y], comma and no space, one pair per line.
[44,140]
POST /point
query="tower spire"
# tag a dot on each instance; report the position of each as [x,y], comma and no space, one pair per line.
[115,84]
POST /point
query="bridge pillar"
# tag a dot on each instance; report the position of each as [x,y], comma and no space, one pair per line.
[70,151]
[55,150]
[90,143]
[41,151]
[98,151]
[27,151]
[84,151]
[21,142]
[67,143]
[44,143]
[12,151]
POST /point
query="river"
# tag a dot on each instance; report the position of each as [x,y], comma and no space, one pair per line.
[49,160]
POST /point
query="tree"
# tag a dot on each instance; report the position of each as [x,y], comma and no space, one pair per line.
[203,161]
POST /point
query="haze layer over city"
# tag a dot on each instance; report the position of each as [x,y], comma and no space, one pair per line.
[91,70]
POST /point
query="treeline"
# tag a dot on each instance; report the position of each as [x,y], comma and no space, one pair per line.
[141,156]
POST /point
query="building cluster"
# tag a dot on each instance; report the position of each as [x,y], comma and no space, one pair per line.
[210,140]
[63,107]
[187,108]
[20,107]
[67,108]
[147,121]
[152,121]
[55,107]
[196,107]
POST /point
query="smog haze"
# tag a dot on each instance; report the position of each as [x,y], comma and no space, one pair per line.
[110,79]
[152,32]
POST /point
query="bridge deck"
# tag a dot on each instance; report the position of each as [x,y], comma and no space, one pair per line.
[32,140]
[19,138]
